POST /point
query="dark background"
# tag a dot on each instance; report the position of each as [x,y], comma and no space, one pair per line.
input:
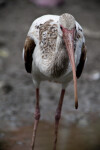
[78,128]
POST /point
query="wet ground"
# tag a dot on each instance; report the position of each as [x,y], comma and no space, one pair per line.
[72,138]
[78,128]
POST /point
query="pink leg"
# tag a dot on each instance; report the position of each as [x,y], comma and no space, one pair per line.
[37,117]
[57,116]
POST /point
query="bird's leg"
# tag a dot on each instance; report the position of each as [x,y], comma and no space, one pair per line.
[58,115]
[37,117]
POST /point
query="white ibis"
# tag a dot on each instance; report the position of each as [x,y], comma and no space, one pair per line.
[54,50]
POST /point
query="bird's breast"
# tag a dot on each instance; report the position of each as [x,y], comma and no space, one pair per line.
[54,59]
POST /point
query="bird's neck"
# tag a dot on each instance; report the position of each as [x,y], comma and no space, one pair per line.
[60,60]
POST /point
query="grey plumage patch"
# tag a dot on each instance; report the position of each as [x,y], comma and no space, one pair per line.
[67,21]
[60,65]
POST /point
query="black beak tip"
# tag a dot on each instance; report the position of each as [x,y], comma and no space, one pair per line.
[76,105]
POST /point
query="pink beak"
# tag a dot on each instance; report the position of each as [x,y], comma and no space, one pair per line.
[68,36]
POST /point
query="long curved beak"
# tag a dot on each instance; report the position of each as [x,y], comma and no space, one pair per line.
[68,36]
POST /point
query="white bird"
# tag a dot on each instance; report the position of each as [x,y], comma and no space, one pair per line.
[54,50]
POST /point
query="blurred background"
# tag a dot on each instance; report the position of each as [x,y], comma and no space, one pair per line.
[79,129]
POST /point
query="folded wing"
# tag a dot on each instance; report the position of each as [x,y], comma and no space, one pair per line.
[28,52]
[80,66]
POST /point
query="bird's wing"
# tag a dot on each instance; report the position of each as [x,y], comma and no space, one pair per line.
[28,51]
[80,66]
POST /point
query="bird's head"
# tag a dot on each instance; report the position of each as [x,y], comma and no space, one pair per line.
[67,26]
[67,21]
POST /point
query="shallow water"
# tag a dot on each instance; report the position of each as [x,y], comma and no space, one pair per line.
[69,138]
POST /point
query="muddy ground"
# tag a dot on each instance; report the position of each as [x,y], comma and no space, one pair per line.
[17,93]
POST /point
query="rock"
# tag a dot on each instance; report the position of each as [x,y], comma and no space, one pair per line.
[19,142]
[4,53]
[2,43]
[95,76]
[5,87]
